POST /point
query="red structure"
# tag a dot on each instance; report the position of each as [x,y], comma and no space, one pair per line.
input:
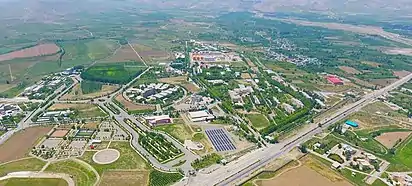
[334,80]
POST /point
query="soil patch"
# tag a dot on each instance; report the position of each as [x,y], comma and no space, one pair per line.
[349,70]
[124,178]
[21,143]
[181,81]
[390,139]
[130,106]
[38,50]
[371,63]
[396,51]
[401,74]
[383,82]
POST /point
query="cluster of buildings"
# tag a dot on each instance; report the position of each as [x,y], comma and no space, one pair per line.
[238,94]
[8,110]
[151,92]
[71,71]
[335,80]
[44,87]
[214,56]
[53,116]
[299,60]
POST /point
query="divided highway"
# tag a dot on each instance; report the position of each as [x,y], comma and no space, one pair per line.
[246,165]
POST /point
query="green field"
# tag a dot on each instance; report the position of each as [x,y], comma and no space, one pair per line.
[206,161]
[258,121]
[179,131]
[33,182]
[81,174]
[129,159]
[158,178]
[113,73]
[31,164]
[89,87]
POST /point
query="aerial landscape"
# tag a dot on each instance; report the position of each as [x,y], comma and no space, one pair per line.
[205,92]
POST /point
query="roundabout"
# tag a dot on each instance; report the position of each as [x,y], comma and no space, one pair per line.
[106,156]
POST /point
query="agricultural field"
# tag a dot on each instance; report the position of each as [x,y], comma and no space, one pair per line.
[308,169]
[82,176]
[126,178]
[38,50]
[27,164]
[158,178]
[81,110]
[391,139]
[20,144]
[113,73]
[129,159]
[181,81]
[150,55]
[34,182]
[88,90]
[123,54]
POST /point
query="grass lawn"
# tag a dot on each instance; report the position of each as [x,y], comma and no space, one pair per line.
[113,73]
[31,164]
[206,161]
[129,159]
[158,178]
[81,110]
[403,156]
[258,121]
[179,131]
[81,174]
[33,182]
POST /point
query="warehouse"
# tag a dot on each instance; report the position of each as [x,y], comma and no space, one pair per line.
[200,116]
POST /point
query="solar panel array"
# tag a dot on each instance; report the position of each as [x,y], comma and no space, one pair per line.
[220,139]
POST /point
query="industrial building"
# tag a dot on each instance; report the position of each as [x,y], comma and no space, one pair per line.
[158,120]
[198,116]
[334,80]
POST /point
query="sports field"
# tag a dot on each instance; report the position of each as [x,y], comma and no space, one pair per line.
[259,121]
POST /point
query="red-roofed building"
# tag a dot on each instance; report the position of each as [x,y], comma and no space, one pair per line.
[334,80]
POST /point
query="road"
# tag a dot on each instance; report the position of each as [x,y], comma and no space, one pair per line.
[246,165]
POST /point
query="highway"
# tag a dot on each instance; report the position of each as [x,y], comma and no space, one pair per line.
[246,165]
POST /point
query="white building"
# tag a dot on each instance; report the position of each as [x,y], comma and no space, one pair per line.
[288,108]
[297,103]
[202,115]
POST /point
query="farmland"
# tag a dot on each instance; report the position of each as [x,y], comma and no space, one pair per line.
[151,55]
[390,139]
[38,50]
[181,81]
[112,73]
[20,144]
[126,178]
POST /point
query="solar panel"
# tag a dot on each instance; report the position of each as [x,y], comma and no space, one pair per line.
[220,139]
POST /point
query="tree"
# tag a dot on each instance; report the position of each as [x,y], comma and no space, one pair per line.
[303,149]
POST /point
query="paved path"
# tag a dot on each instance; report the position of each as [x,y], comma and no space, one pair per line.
[31,174]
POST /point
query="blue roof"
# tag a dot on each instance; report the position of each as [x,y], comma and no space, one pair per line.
[351,123]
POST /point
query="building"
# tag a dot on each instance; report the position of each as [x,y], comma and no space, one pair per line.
[297,103]
[288,108]
[351,123]
[334,80]
[149,92]
[158,120]
[202,115]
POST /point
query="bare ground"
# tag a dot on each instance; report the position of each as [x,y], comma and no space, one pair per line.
[390,139]
[131,106]
[38,50]
[20,144]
